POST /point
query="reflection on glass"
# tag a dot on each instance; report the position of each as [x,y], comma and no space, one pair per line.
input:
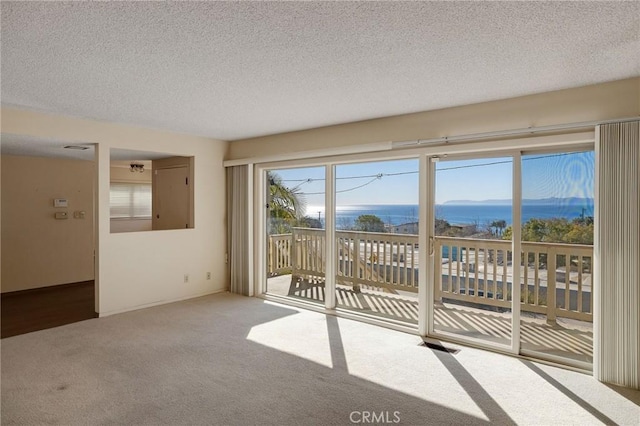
[377,239]
[472,249]
[557,259]
[295,233]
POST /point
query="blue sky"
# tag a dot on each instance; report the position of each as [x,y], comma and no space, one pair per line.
[543,176]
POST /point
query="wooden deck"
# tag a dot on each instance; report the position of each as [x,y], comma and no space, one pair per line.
[568,338]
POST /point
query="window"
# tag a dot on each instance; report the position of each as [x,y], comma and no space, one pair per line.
[130,200]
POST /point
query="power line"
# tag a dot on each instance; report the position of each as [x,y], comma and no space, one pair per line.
[474,165]
[381,175]
[346,190]
[309,180]
[504,161]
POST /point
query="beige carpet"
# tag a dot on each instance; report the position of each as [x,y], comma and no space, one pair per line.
[230,360]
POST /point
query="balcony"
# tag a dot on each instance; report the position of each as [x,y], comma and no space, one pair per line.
[377,273]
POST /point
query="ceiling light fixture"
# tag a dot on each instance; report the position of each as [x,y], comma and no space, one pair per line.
[136,167]
[78,147]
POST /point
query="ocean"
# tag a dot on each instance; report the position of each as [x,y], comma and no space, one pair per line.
[455,214]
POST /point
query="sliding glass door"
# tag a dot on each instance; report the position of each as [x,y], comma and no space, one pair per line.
[510,248]
[473,270]
[295,240]
[477,276]
[376,238]
[557,256]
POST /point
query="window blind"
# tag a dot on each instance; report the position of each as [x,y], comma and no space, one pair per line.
[130,200]
[617,255]
[237,228]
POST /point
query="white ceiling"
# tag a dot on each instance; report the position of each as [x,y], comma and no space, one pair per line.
[236,70]
[53,148]
[43,147]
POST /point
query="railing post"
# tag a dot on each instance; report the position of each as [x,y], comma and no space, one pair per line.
[356,267]
[551,286]
[436,250]
[294,255]
[270,254]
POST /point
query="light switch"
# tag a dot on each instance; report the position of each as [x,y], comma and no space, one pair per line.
[78,214]
[62,215]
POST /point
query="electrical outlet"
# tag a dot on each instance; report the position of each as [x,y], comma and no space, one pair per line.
[208,275]
[186,278]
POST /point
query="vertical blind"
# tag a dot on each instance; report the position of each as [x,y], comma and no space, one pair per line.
[617,253]
[130,200]
[237,228]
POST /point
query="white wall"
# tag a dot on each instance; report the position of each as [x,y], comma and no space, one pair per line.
[143,268]
[139,269]
[130,225]
[604,101]
[123,174]
[39,250]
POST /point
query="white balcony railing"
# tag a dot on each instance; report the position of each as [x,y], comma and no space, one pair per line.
[472,271]
[279,252]
[480,272]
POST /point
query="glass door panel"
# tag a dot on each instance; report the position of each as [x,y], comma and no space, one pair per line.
[295,243]
[473,272]
[556,318]
[377,239]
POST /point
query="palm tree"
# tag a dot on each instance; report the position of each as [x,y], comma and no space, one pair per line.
[499,226]
[286,205]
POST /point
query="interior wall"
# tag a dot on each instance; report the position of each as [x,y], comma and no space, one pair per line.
[605,101]
[138,269]
[0,222]
[39,250]
[123,174]
[130,225]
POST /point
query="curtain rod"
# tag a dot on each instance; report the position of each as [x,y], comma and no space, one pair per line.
[416,143]
[513,132]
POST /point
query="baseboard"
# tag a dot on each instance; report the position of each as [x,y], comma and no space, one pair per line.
[158,303]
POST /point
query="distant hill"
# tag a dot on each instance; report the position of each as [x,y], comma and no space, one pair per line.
[571,201]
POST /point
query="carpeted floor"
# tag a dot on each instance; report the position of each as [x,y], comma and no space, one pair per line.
[227,359]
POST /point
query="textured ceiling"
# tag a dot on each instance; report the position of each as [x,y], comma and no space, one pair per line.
[52,148]
[42,147]
[237,70]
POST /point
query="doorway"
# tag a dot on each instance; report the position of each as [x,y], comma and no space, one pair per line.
[513,253]
[171,198]
[473,259]
[48,236]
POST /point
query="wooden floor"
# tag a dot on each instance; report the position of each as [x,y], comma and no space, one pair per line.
[42,308]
